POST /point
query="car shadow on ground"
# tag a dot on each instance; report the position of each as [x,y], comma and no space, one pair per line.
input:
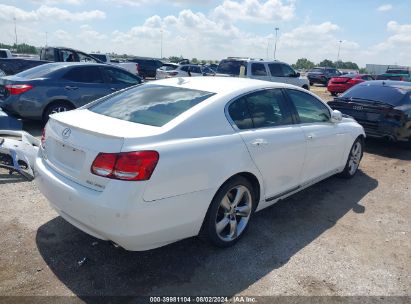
[191,267]
[388,149]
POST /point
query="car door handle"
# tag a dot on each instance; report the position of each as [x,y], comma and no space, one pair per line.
[113,89]
[70,88]
[259,142]
[310,137]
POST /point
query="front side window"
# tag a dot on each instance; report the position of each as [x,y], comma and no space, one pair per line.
[85,58]
[261,109]
[287,70]
[119,77]
[258,69]
[309,108]
[276,70]
[87,74]
[150,104]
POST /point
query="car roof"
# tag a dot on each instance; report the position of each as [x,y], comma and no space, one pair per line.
[220,85]
[253,60]
[388,83]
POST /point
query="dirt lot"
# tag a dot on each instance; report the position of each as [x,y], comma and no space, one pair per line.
[339,237]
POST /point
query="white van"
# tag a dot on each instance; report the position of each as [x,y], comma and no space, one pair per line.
[275,71]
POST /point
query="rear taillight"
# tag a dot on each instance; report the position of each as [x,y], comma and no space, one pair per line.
[43,138]
[16,89]
[130,166]
[354,81]
[171,74]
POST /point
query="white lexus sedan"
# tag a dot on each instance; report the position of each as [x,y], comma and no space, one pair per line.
[182,157]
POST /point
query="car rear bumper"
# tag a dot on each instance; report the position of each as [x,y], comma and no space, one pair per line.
[125,219]
[337,88]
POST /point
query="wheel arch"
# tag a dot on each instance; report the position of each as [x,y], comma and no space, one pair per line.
[54,101]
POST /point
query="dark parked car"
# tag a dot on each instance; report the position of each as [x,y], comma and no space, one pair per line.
[147,67]
[56,87]
[383,108]
[322,75]
[13,66]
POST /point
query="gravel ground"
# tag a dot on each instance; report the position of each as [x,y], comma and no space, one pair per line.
[339,237]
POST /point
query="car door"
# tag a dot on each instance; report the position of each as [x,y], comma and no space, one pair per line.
[259,71]
[325,140]
[118,79]
[195,71]
[276,145]
[83,84]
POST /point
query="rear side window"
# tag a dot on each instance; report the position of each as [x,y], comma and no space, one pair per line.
[309,108]
[120,77]
[287,70]
[231,67]
[3,54]
[258,69]
[150,104]
[87,74]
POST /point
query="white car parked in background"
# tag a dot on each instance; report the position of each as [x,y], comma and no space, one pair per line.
[275,71]
[128,66]
[181,157]
[183,70]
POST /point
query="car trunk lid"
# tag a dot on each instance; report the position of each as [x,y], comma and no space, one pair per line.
[74,139]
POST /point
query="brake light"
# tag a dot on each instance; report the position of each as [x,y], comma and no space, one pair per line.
[16,89]
[43,138]
[130,166]
[354,81]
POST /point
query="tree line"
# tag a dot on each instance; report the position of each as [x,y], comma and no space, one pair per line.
[305,64]
[20,48]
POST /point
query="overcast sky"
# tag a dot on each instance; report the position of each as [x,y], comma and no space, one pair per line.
[371,31]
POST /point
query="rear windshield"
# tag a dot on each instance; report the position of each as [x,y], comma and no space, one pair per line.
[150,104]
[39,71]
[100,57]
[231,67]
[388,94]
[316,70]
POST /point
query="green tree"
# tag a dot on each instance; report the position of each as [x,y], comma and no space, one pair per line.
[303,63]
[194,61]
[326,63]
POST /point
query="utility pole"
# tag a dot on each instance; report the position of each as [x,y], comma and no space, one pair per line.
[46,39]
[275,46]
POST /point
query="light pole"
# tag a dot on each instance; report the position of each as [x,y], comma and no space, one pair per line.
[275,46]
[339,48]
[15,30]
[161,45]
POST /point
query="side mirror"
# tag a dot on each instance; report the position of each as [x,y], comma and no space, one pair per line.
[297,74]
[336,116]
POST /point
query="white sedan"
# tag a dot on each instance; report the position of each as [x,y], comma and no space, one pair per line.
[181,157]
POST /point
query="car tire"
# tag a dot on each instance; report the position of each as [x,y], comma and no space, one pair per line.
[334,94]
[56,107]
[354,158]
[229,213]
[306,87]
[311,84]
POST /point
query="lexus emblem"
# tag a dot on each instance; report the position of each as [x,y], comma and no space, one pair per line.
[66,133]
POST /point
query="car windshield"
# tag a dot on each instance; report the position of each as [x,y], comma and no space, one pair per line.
[393,95]
[397,71]
[230,67]
[150,104]
[39,71]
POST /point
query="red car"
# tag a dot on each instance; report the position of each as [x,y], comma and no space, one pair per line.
[342,83]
